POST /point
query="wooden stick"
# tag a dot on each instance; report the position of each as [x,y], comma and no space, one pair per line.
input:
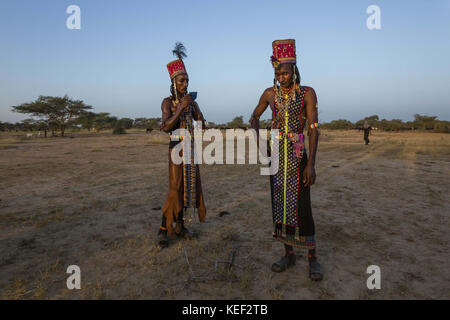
[187,260]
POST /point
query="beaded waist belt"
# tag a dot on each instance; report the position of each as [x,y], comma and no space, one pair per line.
[293,137]
[296,139]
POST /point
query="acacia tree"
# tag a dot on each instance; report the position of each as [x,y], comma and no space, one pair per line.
[153,123]
[139,123]
[7,126]
[57,111]
[265,124]
[340,124]
[126,123]
[104,121]
[86,119]
[147,123]
[424,122]
[28,125]
[372,120]
[237,122]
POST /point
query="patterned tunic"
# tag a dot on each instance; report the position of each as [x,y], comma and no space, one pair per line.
[291,208]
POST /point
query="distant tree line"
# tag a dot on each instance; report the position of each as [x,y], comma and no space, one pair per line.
[238,123]
[57,114]
[420,122]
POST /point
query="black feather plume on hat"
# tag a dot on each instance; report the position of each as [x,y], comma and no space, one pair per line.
[179,51]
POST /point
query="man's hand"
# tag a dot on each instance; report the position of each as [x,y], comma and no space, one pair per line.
[186,101]
[309,175]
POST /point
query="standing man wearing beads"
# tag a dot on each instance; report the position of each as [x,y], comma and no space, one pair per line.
[291,105]
[185,189]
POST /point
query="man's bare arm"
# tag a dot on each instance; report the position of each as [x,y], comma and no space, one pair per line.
[260,108]
[309,173]
[312,116]
[169,120]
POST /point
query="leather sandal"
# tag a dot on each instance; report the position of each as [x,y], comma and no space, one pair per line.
[163,240]
[284,263]
[315,272]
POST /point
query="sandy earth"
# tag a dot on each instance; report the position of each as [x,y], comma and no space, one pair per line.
[89,200]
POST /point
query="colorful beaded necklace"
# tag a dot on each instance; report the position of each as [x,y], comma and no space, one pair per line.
[283,99]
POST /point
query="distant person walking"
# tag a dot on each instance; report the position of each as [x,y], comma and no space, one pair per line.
[366,129]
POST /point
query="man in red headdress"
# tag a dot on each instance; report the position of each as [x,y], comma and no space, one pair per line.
[291,105]
[185,190]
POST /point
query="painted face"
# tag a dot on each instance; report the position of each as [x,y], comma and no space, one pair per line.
[285,75]
[182,82]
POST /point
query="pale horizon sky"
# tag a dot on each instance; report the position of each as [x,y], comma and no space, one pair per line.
[117,61]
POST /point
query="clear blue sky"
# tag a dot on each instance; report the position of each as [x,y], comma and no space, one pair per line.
[117,61]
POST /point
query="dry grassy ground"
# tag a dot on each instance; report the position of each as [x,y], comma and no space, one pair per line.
[88,201]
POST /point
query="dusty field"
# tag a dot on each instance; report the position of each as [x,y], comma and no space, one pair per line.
[89,201]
